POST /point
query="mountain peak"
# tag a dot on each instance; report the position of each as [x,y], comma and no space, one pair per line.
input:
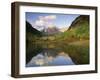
[51,30]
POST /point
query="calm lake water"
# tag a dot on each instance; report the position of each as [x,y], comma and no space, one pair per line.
[50,57]
[56,54]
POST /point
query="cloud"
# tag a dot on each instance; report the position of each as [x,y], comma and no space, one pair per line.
[50,17]
[45,21]
[39,23]
[46,18]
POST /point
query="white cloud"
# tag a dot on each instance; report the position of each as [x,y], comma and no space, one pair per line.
[45,21]
[39,23]
[50,17]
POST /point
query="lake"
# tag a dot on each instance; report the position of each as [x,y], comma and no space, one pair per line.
[53,54]
[50,57]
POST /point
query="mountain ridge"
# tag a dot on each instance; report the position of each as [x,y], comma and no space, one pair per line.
[79,20]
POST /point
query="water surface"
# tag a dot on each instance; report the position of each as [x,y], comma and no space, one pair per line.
[50,57]
[56,54]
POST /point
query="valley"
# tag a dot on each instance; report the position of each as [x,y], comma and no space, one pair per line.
[74,41]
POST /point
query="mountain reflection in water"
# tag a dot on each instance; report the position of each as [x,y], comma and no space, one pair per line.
[50,58]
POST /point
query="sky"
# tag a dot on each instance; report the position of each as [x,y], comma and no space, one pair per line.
[41,20]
